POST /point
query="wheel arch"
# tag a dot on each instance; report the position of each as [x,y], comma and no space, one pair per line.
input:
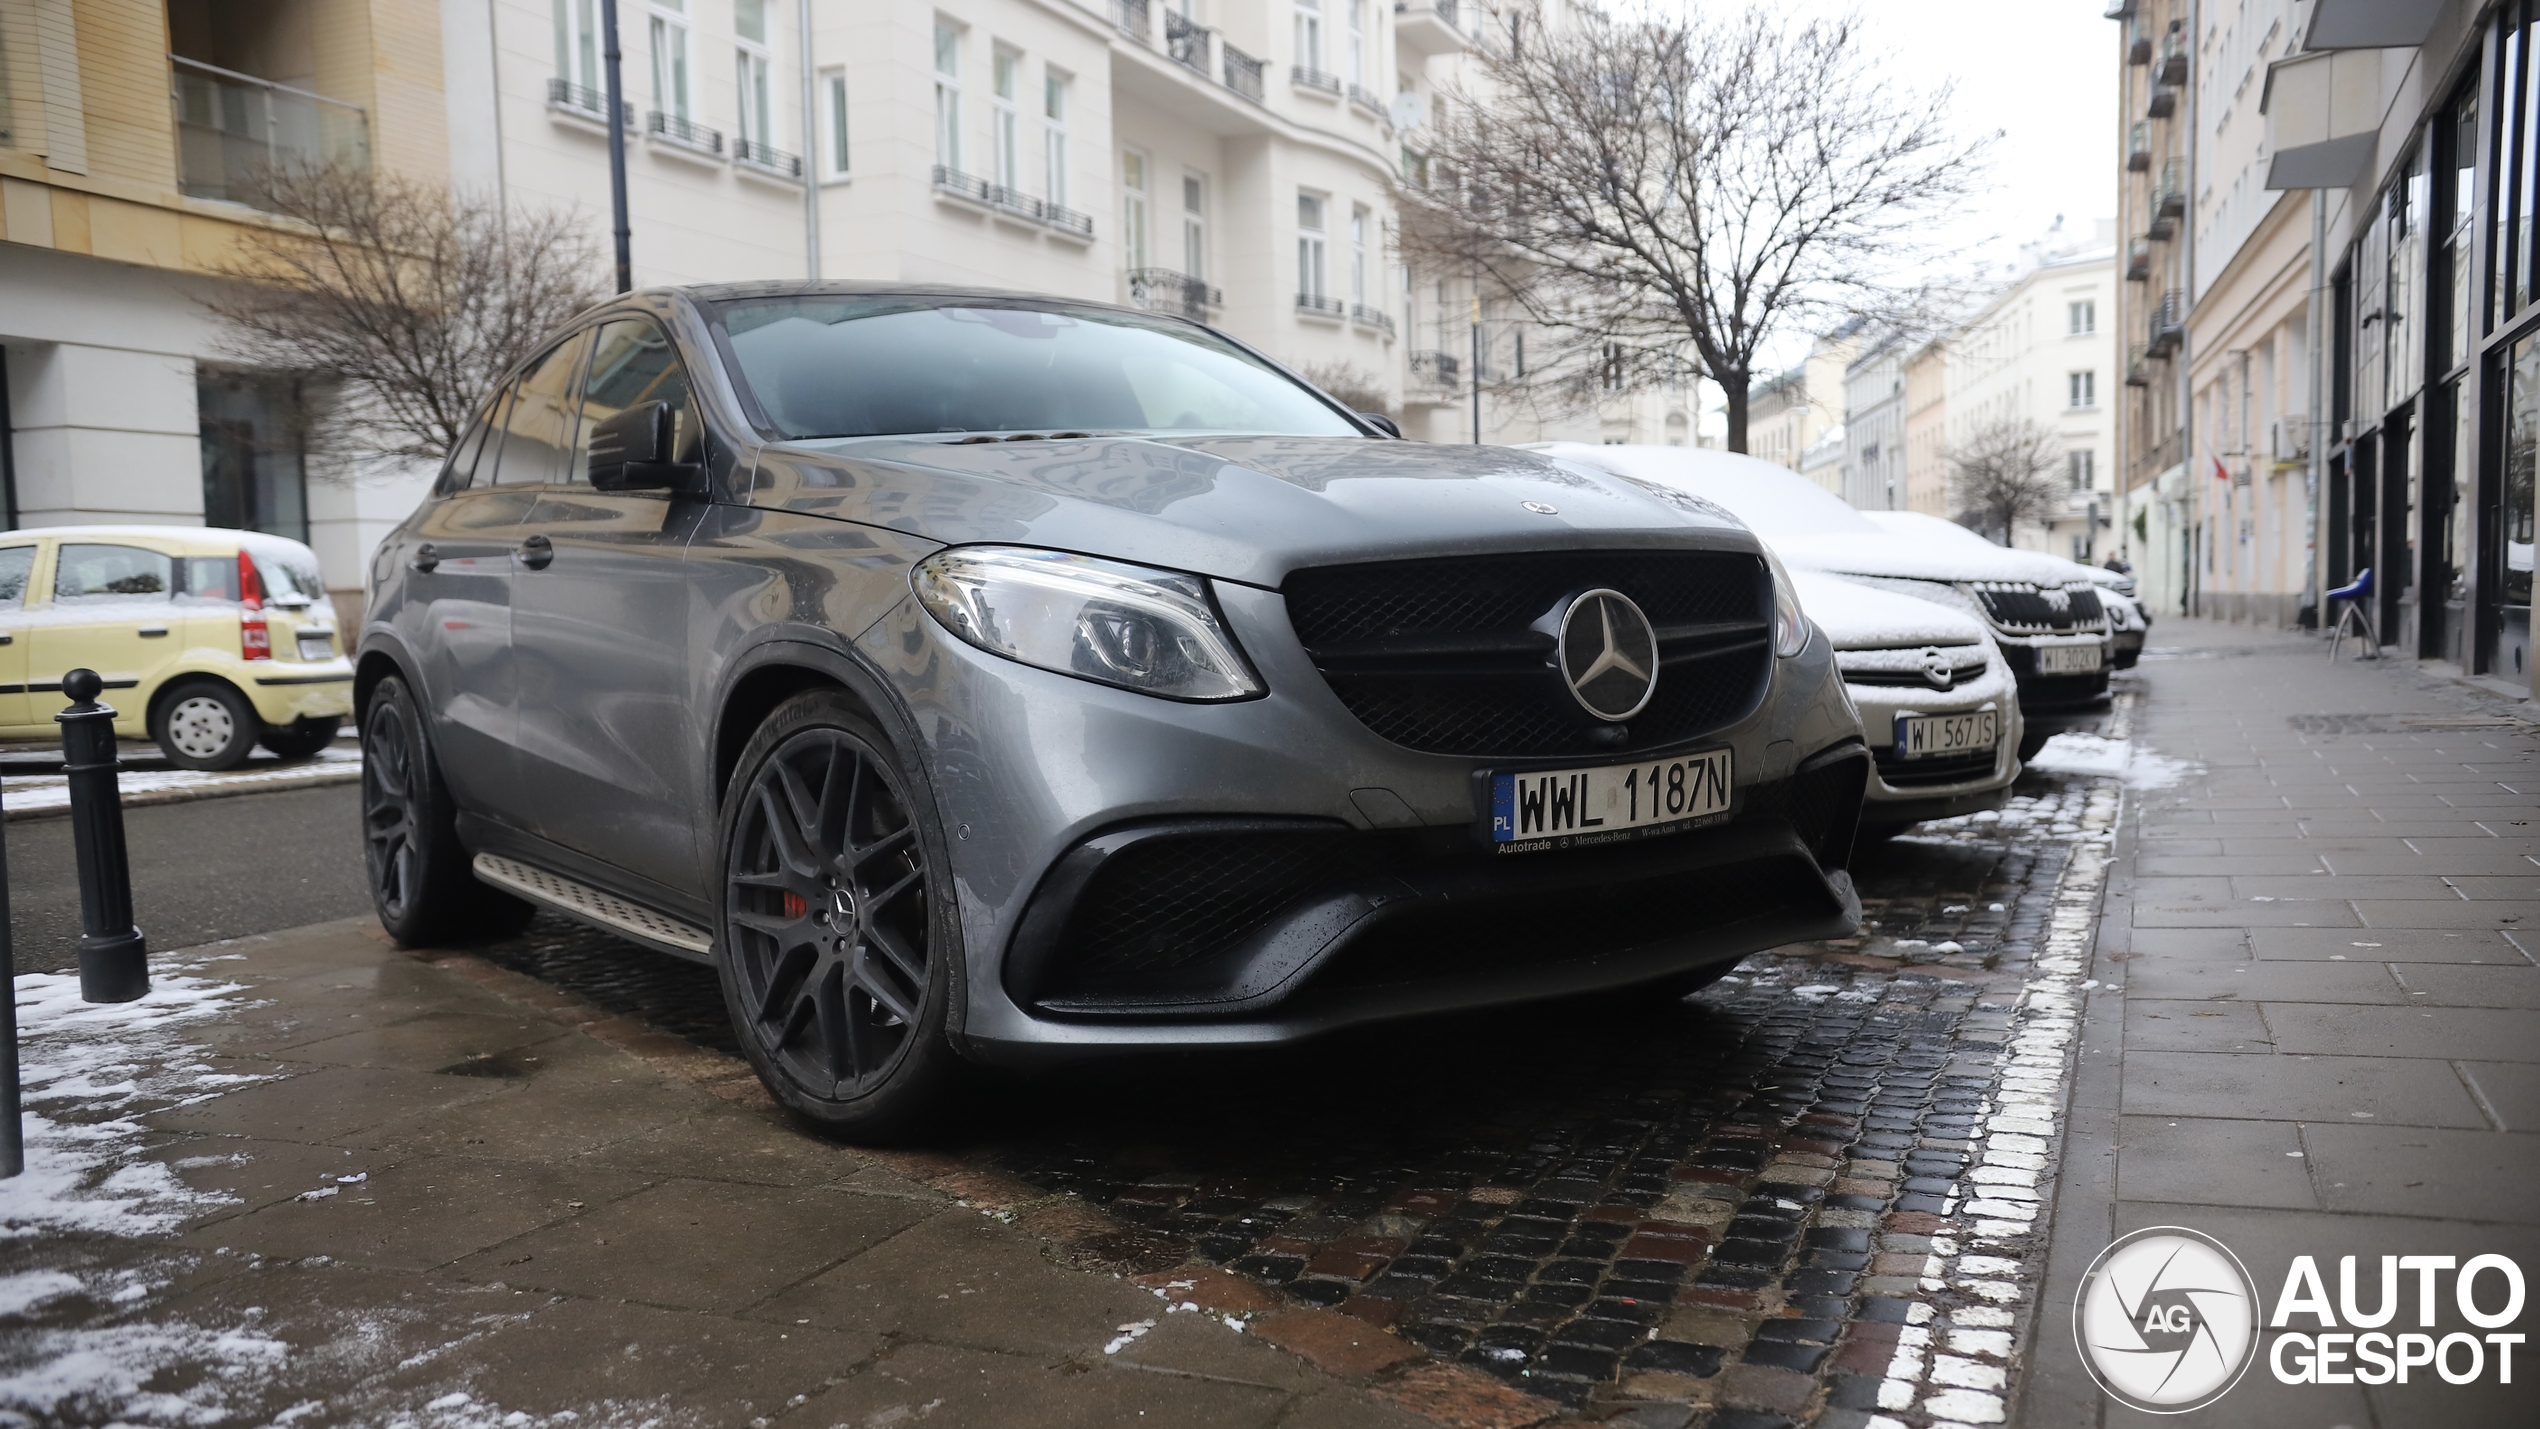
[175,684]
[781,667]
[378,660]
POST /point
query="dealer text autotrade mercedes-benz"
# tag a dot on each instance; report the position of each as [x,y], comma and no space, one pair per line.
[976,677]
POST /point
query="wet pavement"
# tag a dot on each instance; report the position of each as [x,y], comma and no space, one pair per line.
[1822,1174]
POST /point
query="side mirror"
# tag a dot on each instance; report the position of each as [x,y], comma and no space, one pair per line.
[630,451]
[1382,423]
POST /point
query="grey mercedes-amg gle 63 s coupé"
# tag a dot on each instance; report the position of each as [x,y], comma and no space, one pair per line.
[974,677]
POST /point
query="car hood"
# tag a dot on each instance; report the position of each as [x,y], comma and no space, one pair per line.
[1879,553]
[1248,509]
[1857,617]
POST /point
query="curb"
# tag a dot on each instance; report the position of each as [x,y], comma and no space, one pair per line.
[1077,1234]
[189,793]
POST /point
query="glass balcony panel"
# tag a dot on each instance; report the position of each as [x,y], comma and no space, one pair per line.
[236,133]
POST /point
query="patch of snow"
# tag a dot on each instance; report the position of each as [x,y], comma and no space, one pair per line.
[2074,752]
[24,1291]
[1129,1335]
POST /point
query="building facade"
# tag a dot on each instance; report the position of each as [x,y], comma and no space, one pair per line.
[1874,425]
[133,138]
[2041,353]
[1927,428]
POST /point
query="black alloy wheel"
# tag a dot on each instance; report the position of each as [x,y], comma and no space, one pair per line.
[836,924]
[420,882]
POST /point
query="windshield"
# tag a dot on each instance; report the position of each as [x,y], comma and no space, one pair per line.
[898,366]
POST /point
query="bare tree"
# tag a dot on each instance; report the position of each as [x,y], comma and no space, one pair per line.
[1351,385]
[402,302]
[2000,476]
[1662,192]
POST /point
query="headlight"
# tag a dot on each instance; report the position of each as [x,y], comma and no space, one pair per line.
[1790,623]
[1143,630]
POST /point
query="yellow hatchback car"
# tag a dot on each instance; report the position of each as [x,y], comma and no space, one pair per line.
[210,641]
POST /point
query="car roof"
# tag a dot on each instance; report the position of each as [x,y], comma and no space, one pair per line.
[209,537]
[848,288]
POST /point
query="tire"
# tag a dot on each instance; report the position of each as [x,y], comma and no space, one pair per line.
[420,882]
[300,739]
[205,724]
[839,943]
[2032,739]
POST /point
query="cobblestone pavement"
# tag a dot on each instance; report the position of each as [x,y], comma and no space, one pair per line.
[1812,1193]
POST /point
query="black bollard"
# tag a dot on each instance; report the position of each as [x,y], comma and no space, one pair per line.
[113,966]
[12,1127]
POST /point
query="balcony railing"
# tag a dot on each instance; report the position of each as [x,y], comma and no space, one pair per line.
[775,161]
[1161,290]
[1304,77]
[1366,99]
[1243,72]
[1439,369]
[2138,41]
[2164,102]
[583,102]
[970,188]
[237,133]
[2168,323]
[1317,305]
[1067,220]
[1366,316]
[684,132]
[1130,17]
[2138,259]
[2138,372]
[2169,197]
[2173,66]
[2138,146]
[1186,42]
[961,185]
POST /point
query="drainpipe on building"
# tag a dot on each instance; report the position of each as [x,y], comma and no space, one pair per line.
[618,229]
[811,153]
[2191,488]
[2318,454]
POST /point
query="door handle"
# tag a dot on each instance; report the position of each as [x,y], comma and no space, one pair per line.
[536,552]
[7,639]
[424,558]
[151,632]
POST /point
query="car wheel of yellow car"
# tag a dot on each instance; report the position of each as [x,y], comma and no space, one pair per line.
[205,724]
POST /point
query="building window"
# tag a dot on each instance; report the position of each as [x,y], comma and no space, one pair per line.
[1357,41]
[578,44]
[833,123]
[1309,34]
[670,59]
[749,27]
[1005,71]
[252,470]
[947,96]
[2081,389]
[1133,207]
[1054,137]
[1358,218]
[1194,225]
[1309,247]
[2083,467]
[2081,319]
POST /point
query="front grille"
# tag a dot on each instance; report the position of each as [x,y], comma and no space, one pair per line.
[1455,656]
[2026,608]
[1936,769]
[2041,691]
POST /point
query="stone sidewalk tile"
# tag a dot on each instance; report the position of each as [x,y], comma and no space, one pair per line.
[2428,1031]
[2388,945]
[2272,1087]
[2508,1091]
[2215,1162]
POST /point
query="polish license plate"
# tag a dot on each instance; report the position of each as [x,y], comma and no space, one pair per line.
[1571,808]
[1920,735]
[2067,659]
[317,647]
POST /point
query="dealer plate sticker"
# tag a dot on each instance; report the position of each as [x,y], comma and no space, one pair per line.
[1569,808]
[1921,735]
[2067,659]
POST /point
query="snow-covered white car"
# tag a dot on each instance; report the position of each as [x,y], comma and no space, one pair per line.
[1939,707]
[2049,622]
[2128,621]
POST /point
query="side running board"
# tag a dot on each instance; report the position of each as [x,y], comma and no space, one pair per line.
[631,921]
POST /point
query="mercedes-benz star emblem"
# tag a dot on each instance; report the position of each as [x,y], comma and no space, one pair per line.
[1609,655]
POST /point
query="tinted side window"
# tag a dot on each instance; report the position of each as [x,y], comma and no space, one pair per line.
[84,573]
[633,361]
[460,471]
[538,426]
[16,564]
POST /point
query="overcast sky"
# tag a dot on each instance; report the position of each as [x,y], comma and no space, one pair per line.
[2043,72]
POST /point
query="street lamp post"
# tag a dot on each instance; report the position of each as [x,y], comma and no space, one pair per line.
[617,147]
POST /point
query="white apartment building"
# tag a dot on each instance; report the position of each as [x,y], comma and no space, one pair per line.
[2045,350]
[1874,426]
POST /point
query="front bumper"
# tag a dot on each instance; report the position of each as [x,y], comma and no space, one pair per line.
[1905,791]
[2044,693]
[1043,779]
